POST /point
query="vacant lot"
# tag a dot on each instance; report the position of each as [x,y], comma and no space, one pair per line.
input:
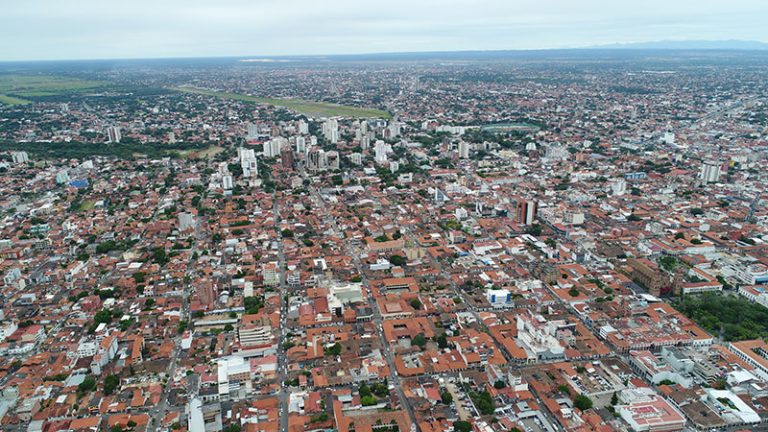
[310,108]
[14,89]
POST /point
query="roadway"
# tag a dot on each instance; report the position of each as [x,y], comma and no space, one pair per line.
[394,379]
[284,392]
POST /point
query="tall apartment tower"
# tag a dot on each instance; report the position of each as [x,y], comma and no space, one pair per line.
[463,150]
[710,172]
[526,212]
[113,134]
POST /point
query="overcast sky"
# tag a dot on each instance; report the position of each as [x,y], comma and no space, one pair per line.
[91,29]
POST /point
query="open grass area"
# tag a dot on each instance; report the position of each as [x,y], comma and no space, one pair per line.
[10,100]
[207,153]
[310,108]
[21,86]
[87,205]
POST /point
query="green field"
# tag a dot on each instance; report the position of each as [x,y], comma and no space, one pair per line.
[310,108]
[15,88]
[9,100]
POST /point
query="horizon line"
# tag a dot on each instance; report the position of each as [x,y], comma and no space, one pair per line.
[613,46]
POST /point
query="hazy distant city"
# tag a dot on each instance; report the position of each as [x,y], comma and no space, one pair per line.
[487,241]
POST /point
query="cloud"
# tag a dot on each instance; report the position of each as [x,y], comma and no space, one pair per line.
[65,29]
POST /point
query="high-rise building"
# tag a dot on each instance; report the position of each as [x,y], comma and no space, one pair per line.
[286,158]
[252,131]
[356,158]
[113,134]
[710,172]
[380,152]
[332,160]
[331,130]
[301,145]
[618,186]
[19,157]
[526,212]
[273,147]
[303,127]
[313,159]
[248,162]
[463,150]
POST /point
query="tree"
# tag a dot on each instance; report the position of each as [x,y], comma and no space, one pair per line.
[253,304]
[534,230]
[380,389]
[573,292]
[159,256]
[499,385]
[483,402]
[462,426]
[139,277]
[228,328]
[445,397]
[696,211]
[319,418]
[103,316]
[368,400]
[364,390]
[333,350]
[286,233]
[397,260]
[88,384]
[668,263]
[615,399]
[131,424]
[442,341]
[110,384]
[419,340]
[582,402]
[415,303]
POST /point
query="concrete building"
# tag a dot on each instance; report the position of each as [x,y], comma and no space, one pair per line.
[113,134]
[526,212]
[644,410]
[380,152]
[234,378]
[19,157]
[463,150]
[710,172]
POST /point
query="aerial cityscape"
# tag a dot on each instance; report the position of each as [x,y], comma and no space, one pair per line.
[467,241]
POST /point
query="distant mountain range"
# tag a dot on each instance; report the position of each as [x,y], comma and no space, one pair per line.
[688,45]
